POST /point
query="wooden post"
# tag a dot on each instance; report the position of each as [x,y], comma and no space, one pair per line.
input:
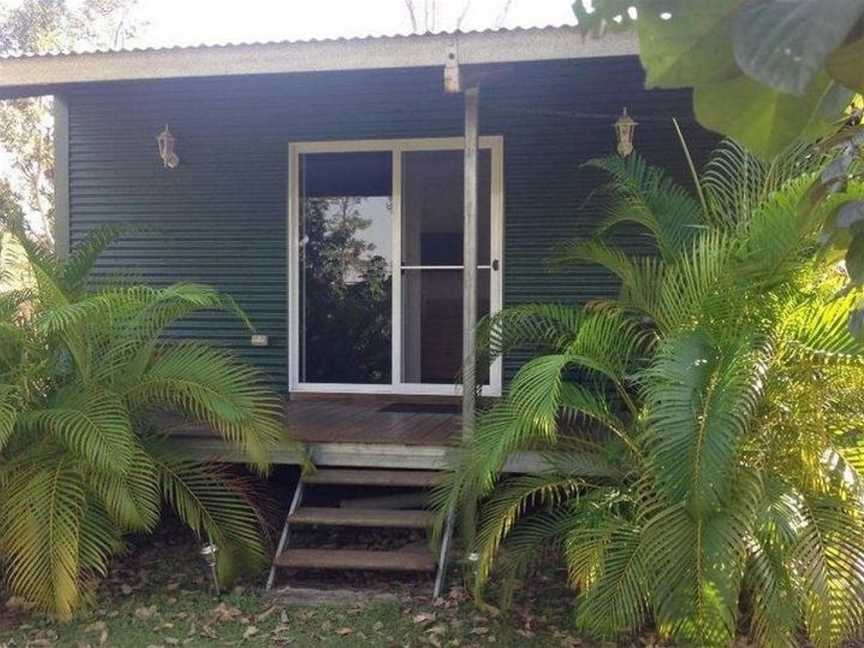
[469,261]
[61,177]
[469,304]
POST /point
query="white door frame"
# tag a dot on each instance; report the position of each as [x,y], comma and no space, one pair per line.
[495,144]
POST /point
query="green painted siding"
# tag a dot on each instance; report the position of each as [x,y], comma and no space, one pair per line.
[221,216]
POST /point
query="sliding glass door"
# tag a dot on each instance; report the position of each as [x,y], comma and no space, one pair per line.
[375,252]
[432,267]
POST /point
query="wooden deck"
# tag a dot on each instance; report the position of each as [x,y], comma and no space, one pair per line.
[357,432]
[377,422]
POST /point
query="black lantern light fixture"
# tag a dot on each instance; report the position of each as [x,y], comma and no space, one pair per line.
[625,128]
[167,142]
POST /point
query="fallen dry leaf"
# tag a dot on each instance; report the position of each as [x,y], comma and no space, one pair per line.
[251,631]
[225,612]
[145,613]
[344,632]
[266,614]
[423,617]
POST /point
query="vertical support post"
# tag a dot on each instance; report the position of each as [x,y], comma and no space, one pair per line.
[469,261]
[61,177]
[469,302]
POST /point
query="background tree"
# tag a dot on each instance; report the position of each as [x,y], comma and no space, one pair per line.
[347,291]
[26,125]
[425,15]
[764,73]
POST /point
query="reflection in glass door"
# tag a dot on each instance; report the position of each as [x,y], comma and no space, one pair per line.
[345,268]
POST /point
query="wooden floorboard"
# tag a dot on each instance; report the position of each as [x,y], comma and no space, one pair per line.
[358,422]
[372,518]
[349,559]
[353,421]
[391,478]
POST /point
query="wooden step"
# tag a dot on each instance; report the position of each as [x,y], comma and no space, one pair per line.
[394,478]
[355,559]
[378,518]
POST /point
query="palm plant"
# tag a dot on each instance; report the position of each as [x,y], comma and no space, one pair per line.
[85,375]
[702,430]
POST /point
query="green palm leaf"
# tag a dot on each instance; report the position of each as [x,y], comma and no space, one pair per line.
[10,402]
[830,557]
[700,401]
[504,510]
[214,504]
[608,558]
[647,196]
[40,522]
[131,500]
[75,270]
[212,386]
[95,426]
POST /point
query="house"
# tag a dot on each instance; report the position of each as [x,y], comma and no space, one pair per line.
[323,185]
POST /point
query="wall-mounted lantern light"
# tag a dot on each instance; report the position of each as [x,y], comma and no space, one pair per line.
[167,142]
[625,127]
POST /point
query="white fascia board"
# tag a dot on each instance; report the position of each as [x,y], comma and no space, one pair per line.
[32,72]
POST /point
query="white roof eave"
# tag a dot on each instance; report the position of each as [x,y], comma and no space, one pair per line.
[504,46]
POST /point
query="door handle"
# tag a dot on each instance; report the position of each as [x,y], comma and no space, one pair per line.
[495,265]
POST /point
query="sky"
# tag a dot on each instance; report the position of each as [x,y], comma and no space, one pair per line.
[190,22]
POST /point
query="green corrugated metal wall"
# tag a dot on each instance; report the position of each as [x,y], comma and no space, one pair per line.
[220,217]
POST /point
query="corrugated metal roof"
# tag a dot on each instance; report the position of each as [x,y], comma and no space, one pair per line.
[40,74]
[288,41]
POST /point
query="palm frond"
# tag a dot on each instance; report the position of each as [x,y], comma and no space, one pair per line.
[506,507]
[94,425]
[212,386]
[774,589]
[650,198]
[40,525]
[73,273]
[695,288]
[10,403]
[817,331]
[830,557]
[641,277]
[608,558]
[130,500]
[700,401]
[546,327]
[735,182]
[214,505]
[528,543]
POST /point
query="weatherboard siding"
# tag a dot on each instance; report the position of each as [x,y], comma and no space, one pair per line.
[220,217]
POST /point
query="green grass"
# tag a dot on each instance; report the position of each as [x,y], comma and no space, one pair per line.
[157,596]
